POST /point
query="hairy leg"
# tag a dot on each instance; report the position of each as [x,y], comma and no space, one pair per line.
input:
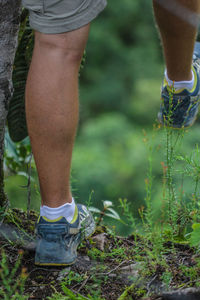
[178,34]
[52,109]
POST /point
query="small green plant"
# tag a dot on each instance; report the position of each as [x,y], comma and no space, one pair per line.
[127,213]
[194,239]
[95,288]
[147,214]
[192,273]
[167,278]
[72,276]
[192,168]
[118,253]
[17,156]
[12,288]
[107,211]
[58,296]
[69,295]
[131,292]
[11,217]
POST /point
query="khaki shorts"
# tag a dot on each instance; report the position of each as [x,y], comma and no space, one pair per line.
[58,16]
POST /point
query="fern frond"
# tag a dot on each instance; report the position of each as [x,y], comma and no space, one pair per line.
[16,115]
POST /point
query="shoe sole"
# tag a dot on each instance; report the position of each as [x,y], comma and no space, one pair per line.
[54,265]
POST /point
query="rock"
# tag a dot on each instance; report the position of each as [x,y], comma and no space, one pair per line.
[130,273]
[132,269]
[20,237]
[62,274]
[100,240]
[182,294]
[112,275]
[31,247]
[83,263]
[86,258]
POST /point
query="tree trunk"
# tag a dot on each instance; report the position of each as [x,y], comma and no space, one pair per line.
[9,25]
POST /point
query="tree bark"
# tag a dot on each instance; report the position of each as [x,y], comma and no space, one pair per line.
[9,26]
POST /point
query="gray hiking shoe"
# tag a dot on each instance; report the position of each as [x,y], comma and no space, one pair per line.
[179,109]
[57,240]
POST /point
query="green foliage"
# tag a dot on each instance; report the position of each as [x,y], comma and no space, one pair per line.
[155,174]
[167,278]
[16,155]
[195,235]
[192,169]
[69,295]
[104,160]
[16,118]
[131,291]
[192,273]
[20,171]
[118,253]
[125,206]
[16,114]
[58,296]
[119,52]
[72,276]
[123,75]
[12,288]
[123,67]
[107,211]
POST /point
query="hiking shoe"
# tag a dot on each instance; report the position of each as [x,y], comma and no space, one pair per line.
[179,108]
[57,240]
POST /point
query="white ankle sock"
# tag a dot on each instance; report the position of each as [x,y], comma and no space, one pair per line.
[177,85]
[66,210]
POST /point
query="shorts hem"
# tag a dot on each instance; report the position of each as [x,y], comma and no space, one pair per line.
[53,27]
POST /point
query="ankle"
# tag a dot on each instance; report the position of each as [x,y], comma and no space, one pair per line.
[181,84]
[56,202]
[179,76]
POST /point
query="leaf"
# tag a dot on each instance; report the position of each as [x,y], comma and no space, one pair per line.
[112,216]
[11,148]
[195,226]
[94,209]
[25,175]
[107,203]
[195,235]
[16,114]
[114,213]
[73,296]
[180,157]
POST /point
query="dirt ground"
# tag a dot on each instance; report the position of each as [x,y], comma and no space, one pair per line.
[108,267]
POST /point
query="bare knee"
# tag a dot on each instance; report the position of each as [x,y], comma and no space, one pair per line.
[70,46]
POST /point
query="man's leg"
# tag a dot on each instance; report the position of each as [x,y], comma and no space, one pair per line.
[52,109]
[178,38]
[52,117]
[181,87]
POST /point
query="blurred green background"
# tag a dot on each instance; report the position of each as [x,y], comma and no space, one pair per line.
[119,100]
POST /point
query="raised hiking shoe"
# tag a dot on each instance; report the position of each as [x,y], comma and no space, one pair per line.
[57,240]
[179,109]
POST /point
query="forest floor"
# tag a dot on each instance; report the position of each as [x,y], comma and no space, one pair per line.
[108,267]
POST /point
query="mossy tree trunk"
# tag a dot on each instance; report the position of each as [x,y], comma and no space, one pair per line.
[9,25]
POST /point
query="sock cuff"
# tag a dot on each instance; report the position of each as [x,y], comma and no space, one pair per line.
[66,210]
[172,82]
